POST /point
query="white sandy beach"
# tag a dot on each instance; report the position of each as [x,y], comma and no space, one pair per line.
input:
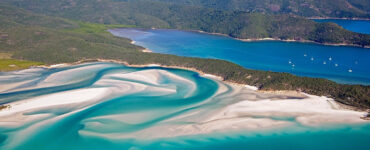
[147,50]
[313,111]
[232,108]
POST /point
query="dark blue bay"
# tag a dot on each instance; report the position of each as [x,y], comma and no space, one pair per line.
[342,64]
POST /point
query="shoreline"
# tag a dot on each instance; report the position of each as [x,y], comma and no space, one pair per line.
[254,39]
[201,73]
[146,50]
[288,93]
[337,18]
[278,39]
[258,39]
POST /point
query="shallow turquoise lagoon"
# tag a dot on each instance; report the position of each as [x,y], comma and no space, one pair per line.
[360,26]
[338,63]
[111,106]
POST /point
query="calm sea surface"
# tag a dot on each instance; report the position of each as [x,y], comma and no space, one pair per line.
[341,64]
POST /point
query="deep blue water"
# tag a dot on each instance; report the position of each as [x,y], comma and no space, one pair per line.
[341,64]
[142,109]
[360,26]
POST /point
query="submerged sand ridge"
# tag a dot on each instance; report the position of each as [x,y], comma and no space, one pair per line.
[112,101]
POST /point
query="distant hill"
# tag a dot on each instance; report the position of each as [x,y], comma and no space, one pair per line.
[238,24]
[306,8]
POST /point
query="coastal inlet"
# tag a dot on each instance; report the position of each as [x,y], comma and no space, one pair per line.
[104,105]
[342,64]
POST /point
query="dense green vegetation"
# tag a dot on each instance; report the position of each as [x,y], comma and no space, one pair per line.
[56,40]
[9,64]
[238,24]
[85,27]
[50,40]
[307,8]
[12,64]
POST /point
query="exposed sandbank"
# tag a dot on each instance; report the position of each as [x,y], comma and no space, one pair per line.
[239,107]
[292,93]
[253,111]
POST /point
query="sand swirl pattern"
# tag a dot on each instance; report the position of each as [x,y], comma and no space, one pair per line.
[107,105]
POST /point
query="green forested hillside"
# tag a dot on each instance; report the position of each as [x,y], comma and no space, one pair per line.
[38,38]
[29,36]
[307,8]
[162,15]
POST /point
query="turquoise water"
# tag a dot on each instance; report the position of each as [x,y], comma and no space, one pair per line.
[360,26]
[142,108]
[338,63]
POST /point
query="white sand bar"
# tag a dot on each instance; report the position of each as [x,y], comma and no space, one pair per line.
[230,108]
